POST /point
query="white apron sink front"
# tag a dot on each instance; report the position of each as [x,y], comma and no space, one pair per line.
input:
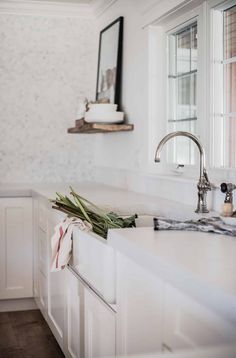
[94,260]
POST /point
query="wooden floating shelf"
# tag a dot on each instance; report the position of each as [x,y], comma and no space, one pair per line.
[84,127]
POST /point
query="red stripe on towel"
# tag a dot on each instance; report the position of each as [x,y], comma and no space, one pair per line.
[59,244]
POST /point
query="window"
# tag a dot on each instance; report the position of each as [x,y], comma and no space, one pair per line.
[224,118]
[193,87]
[182,84]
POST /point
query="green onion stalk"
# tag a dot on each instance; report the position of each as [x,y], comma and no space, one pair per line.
[81,208]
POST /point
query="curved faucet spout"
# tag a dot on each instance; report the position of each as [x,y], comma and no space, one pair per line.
[182,134]
[203,183]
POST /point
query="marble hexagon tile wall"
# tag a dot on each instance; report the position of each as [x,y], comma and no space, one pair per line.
[46,64]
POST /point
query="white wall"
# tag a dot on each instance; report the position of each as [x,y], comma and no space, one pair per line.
[122,159]
[46,63]
[128,150]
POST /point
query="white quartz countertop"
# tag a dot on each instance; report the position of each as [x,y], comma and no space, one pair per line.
[201,264]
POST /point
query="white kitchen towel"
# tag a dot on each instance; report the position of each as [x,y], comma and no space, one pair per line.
[61,241]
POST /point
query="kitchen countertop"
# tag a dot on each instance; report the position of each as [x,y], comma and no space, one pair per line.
[200,264]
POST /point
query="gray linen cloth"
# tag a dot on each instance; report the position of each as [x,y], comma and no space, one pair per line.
[213,224]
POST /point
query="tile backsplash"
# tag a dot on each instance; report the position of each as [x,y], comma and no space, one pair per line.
[46,64]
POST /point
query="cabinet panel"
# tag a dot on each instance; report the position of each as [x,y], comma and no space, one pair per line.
[100,328]
[16,247]
[94,260]
[56,285]
[43,252]
[74,317]
[187,324]
[56,304]
[139,309]
[42,216]
[35,249]
[42,300]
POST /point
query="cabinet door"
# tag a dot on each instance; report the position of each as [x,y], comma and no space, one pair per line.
[16,248]
[56,286]
[139,309]
[99,328]
[42,272]
[42,299]
[35,249]
[187,324]
[74,317]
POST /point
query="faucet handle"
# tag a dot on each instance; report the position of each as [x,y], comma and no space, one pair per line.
[223,187]
[227,187]
[207,181]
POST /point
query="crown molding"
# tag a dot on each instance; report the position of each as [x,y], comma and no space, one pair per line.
[52,8]
[157,11]
[46,8]
[101,6]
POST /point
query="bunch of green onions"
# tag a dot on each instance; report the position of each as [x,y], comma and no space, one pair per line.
[83,209]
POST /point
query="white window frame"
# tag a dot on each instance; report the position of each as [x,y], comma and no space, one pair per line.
[158,94]
[206,14]
[215,79]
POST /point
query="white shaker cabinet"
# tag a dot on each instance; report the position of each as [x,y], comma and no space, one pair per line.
[90,324]
[56,284]
[35,249]
[40,257]
[16,248]
[139,309]
[99,328]
[73,317]
[42,299]
[49,287]
[188,324]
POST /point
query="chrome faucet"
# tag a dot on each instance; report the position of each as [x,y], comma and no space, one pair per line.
[203,184]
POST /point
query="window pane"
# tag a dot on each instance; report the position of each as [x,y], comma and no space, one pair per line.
[183,44]
[224,142]
[182,111]
[230,142]
[224,125]
[181,150]
[230,33]
[186,93]
[194,47]
[230,88]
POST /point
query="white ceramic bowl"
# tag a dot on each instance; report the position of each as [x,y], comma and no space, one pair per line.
[110,117]
[102,107]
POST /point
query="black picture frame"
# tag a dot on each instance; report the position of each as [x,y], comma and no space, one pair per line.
[109,77]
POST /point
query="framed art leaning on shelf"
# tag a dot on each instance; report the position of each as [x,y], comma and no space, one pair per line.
[110,63]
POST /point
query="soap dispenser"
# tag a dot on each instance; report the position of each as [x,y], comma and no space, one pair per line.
[227,189]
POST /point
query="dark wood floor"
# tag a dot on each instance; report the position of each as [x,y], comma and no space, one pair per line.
[25,334]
